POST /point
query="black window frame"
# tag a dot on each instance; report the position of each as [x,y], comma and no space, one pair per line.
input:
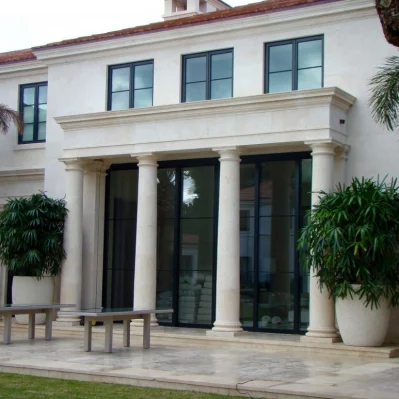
[208,81]
[132,66]
[294,70]
[36,86]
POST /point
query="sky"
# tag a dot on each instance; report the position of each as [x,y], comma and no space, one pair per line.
[30,23]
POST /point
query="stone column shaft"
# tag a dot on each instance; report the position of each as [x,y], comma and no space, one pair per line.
[71,274]
[145,275]
[322,312]
[228,253]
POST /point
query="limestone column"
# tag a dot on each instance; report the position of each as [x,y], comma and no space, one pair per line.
[145,274]
[93,233]
[71,274]
[340,160]
[321,313]
[228,251]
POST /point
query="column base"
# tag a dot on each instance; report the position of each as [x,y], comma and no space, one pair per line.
[225,329]
[321,336]
[66,321]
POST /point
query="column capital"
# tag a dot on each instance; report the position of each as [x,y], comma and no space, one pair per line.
[146,159]
[322,147]
[342,152]
[73,164]
[97,166]
[228,153]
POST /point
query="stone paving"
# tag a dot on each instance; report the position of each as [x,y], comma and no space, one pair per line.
[271,373]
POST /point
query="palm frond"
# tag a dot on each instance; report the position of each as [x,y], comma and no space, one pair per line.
[384,100]
[8,116]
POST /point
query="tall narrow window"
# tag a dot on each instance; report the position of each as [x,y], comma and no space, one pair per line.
[131,85]
[208,76]
[294,65]
[33,108]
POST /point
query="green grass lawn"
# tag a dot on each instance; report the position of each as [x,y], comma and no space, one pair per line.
[14,386]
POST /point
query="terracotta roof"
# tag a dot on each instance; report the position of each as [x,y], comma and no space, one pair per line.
[241,11]
[17,56]
[236,12]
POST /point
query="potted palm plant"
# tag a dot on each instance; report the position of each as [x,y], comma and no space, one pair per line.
[351,244]
[31,247]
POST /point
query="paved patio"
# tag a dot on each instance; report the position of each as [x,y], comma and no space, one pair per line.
[280,372]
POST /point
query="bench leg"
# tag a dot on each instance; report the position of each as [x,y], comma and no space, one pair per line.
[7,329]
[146,330]
[49,325]
[109,325]
[126,333]
[88,334]
[31,326]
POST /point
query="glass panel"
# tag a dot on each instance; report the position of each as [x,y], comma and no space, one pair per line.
[195,92]
[221,89]
[120,79]
[42,94]
[122,211]
[247,231]
[29,114]
[165,240]
[120,101]
[196,69]
[143,75]
[309,54]
[222,66]
[197,245]
[281,81]
[28,132]
[280,58]
[42,112]
[41,131]
[143,98]
[29,96]
[309,78]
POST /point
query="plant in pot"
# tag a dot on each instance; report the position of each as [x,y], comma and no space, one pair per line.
[31,247]
[351,244]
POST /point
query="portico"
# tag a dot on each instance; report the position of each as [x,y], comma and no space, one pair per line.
[307,122]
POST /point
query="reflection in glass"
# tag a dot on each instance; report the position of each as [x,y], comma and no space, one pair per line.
[197,245]
[42,112]
[196,69]
[121,238]
[42,94]
[309,78]
[41,131]
[143,75]
[165,240]
[280,81]
[222,66]
[309,54]
[120,79]
[221,89]
[195,92]
[29,96]
[28,132]
[29,114]
[280,58]
[142,98]
[120,101]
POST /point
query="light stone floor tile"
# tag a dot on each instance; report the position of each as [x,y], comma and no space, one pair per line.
[247,369]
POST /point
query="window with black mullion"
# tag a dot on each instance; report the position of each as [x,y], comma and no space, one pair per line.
[131,86]
[294,65]
[208,76]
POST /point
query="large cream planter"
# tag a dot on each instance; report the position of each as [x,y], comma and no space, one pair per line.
[361,326]
[31,291]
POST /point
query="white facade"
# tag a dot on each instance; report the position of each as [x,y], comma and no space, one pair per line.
[83,138]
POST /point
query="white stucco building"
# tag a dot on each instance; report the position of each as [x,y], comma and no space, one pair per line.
[187,151]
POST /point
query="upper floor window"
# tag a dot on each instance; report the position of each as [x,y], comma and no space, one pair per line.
[294,65]
[131,85]
[33,108]
[208,76]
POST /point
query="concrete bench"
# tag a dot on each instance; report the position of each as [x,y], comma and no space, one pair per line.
[7,311]
[108,316]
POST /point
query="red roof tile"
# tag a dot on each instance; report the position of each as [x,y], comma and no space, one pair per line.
[241,11]
[236,12]
[17,56]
